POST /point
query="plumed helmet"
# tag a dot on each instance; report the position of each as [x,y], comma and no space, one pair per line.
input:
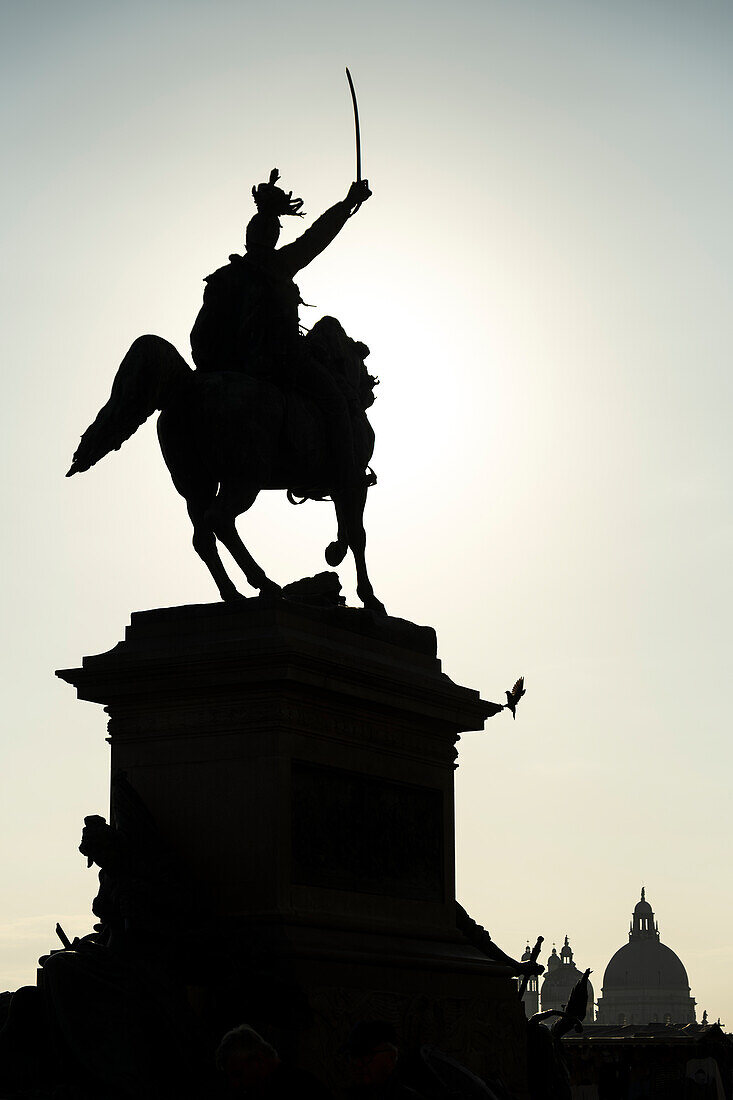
[273,201]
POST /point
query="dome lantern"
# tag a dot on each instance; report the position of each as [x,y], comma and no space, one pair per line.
[642,924]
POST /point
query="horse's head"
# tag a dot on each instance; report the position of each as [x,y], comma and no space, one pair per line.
[344,358]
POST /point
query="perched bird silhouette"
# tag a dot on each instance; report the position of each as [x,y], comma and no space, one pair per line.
[513,697]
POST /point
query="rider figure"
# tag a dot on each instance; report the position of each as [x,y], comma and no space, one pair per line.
[249,318]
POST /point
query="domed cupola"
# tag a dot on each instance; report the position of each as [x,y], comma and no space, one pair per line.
[645,982]
[566,953]
[553,960]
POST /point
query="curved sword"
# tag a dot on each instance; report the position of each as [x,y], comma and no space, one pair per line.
[357,131]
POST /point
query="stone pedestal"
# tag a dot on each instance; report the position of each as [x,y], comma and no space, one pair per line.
[299,761]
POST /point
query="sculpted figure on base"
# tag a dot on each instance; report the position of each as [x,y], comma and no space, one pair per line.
[548,1072]
[266,408]
[109,1002]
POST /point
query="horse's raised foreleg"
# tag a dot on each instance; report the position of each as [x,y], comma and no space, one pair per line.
[204,543]
[230,502]
[336,551]
[351,506]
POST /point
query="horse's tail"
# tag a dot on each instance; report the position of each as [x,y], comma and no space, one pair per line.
[147,378]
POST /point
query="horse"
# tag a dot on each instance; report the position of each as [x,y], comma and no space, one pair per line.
[226,436]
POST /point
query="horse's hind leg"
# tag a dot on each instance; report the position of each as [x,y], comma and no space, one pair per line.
[204,543]
[230,502]
[351,506]
[198,489]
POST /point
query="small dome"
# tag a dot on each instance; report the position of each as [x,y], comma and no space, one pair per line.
[553,961]
[527,956]
[642,907]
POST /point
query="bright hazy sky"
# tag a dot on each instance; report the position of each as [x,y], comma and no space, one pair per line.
[542,276]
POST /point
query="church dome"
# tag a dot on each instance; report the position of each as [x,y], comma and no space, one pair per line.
[645,964]
[645,981]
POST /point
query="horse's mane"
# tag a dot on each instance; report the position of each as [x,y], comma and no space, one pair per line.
[344,359]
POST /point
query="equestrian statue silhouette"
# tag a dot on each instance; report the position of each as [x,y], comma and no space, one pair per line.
[267,407]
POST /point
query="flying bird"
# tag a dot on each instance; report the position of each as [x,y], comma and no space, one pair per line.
[513,697]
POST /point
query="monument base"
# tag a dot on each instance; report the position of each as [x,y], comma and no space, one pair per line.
[298,763]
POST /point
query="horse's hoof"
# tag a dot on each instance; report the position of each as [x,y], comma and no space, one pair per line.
[232,597]
[335,553]
[271,593]
[375,605]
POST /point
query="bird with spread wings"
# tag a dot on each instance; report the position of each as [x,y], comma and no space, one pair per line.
[513,697]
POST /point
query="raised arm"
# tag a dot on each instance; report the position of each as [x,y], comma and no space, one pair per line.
[318,237]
